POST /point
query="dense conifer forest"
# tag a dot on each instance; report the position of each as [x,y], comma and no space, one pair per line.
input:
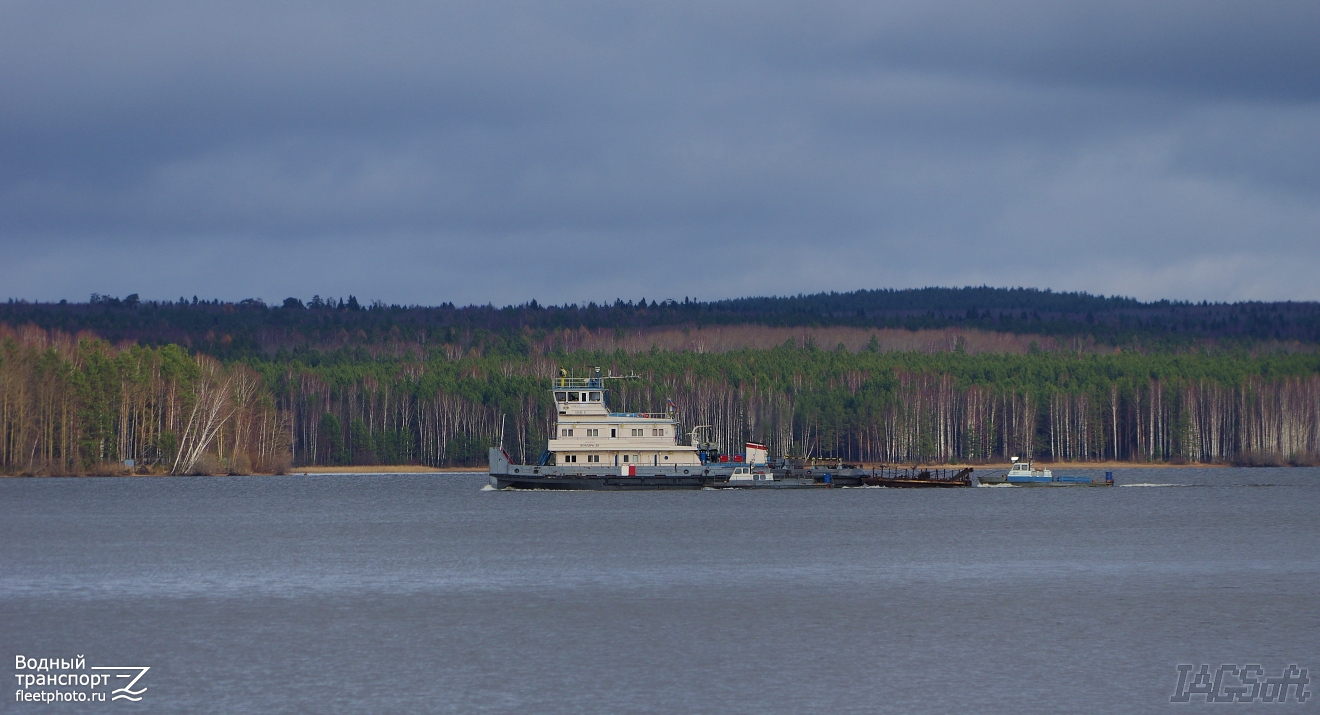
[252,327]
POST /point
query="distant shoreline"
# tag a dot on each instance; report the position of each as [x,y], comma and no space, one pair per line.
[1085,465]
[422,469]
[382,469]
[419,469]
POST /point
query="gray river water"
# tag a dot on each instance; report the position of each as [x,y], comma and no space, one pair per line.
[425,593]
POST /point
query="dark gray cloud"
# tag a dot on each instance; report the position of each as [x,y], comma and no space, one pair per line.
[582,151]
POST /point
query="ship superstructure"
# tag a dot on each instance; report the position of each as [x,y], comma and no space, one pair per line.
[588,434]
[594,448]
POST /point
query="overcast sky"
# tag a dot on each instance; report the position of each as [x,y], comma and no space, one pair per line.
[575,151]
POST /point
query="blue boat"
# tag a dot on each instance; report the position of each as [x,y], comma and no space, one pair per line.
[1023,474]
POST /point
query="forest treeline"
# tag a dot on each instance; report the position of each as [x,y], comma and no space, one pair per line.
[252,328]
[77,406]
[82,405]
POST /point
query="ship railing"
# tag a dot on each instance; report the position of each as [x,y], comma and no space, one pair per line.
[644,415]
[587,383]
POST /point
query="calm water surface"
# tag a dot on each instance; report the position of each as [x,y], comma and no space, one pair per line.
[424,593]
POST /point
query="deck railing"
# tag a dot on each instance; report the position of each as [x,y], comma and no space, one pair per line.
[586,383]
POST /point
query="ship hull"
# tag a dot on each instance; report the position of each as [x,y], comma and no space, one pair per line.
[717,479]
[591,482]
[914,484]
[799,474]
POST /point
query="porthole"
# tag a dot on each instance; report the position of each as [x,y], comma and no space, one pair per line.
[515,471]
[685,471]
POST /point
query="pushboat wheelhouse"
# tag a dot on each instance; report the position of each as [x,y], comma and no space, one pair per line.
[588,434]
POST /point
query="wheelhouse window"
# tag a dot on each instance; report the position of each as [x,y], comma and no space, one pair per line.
[573,397]
[595,397]
[657,433]
[593,433]
[638,433]
[566,432]
[561,397]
